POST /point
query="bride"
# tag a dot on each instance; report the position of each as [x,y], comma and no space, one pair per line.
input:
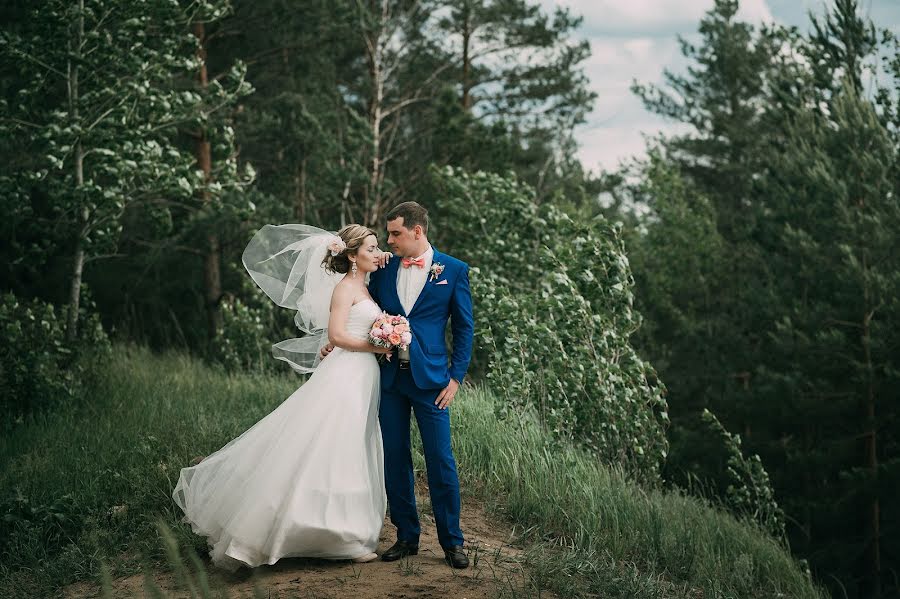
[307,480]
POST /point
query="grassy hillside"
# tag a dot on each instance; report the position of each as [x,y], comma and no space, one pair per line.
[88,484]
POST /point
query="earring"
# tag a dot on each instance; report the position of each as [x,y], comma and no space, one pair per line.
[353,270]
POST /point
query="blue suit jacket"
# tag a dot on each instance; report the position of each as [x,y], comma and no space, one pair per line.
[437,303]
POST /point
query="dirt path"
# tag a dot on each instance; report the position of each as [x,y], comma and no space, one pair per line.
[495,570]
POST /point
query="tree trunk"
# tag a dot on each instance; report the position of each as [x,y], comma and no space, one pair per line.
[75,291]
[300,193]
[806,523]
[345,204]
[78,258]
[466,66]
[212,271]
[375,54]
[872,515]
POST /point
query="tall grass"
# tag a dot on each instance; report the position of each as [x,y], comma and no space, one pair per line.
[115,458]
[92,483]
[614,538]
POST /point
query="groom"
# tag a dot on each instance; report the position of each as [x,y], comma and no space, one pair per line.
[429,288]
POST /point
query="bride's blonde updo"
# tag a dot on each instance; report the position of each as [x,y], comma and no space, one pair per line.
[353,237]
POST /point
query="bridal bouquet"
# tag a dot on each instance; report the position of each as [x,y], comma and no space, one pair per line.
[391,332]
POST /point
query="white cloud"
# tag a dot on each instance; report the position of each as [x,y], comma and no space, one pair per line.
[608,146]
[640,48]
[755,11]
[615,128]
[634,40]
[650,17]
[619,59]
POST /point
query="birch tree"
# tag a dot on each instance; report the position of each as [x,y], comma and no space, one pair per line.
[99,100]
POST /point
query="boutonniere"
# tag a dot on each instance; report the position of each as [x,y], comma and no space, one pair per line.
[436,269]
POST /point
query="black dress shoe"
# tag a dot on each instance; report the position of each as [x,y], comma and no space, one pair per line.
[398,550]
[456,557]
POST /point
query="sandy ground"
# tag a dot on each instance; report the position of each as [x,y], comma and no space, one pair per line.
[494,571]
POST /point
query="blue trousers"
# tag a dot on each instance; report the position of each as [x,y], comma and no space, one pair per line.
[443,481]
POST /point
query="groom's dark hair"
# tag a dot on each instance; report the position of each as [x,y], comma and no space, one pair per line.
[413,214]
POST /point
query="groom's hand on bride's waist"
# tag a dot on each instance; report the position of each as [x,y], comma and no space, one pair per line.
[445,398]
[323,353]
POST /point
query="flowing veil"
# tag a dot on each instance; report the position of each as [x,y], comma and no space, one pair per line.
[286,262]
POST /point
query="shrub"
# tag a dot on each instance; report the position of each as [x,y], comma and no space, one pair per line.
[38,367]
[749,493]
[249,328]
[553,317]
[242,342]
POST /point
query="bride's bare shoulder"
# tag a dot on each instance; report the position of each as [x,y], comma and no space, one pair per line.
[348,293]
[343,293]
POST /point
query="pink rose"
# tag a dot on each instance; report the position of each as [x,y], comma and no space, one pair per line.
[387,329]
[377,333]
[394,339]
[406,338]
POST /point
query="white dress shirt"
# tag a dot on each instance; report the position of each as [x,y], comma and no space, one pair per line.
[411,281]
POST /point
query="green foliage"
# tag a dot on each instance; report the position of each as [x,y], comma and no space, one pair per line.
[248,330]
[110,140]
[503,113]
[735,77]
[143,418]
[324,73]
[554,316]
[306,128]
[300,126]
[604,535]
[102,101]
[241,343]
[766,268]
[682,291]
[679,260]
[49,524]
[833,347]
[842,41]
[749,492]
[39,369]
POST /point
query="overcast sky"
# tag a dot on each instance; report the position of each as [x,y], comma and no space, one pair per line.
[636,39]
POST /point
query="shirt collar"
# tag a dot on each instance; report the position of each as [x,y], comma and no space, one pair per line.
[428,255]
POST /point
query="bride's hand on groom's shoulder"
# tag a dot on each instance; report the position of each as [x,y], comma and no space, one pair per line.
[383,259]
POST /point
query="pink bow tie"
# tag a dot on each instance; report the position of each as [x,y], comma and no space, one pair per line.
[407,262]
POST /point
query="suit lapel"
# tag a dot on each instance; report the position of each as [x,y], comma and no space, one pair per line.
[391,282]
[426,290]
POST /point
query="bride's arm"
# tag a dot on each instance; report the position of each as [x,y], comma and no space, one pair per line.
[341,302]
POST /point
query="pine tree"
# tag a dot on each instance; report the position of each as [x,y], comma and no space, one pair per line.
[520,79]
[800,172]
[707,357]
[834,348]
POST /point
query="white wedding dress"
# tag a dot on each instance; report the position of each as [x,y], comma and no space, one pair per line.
[308,479]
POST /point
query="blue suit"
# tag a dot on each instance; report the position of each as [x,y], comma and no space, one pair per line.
[417,388]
